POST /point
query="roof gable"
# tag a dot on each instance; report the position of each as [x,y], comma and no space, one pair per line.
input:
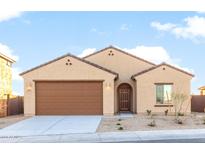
[7,58]
[157,66]
[70,55]
[119,50]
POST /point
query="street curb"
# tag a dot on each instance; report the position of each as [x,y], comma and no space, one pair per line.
[104,137]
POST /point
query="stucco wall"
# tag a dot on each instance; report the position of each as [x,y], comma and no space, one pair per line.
[146,88]
[58,70]
[122,64]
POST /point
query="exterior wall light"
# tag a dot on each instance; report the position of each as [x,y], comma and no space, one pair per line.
[29,87]
[108,85]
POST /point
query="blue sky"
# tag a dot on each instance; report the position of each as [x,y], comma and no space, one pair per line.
[36,37]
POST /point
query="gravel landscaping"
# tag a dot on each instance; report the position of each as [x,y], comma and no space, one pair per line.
[6,121]
[144,122]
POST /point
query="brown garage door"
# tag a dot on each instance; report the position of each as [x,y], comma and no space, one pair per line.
[69,98]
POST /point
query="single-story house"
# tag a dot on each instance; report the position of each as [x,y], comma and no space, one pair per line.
[106,82]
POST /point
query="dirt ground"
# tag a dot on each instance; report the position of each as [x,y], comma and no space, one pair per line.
[140,122]
[6,121]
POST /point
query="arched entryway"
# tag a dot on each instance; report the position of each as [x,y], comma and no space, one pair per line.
[124,97]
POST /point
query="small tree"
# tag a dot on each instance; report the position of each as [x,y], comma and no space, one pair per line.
[178,100]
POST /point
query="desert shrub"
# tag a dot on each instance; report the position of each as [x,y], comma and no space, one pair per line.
[152,123]
[203,121]
[179,121]
[149,112]
[178,99]
[120,128]
[118,124]
[119,119]
[166,112]
[180,114]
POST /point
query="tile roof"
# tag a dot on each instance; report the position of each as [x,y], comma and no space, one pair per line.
[152,68]
[70,55]
[112,47]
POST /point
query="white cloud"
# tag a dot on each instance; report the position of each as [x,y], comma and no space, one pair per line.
[8,14]
[15,93]
[157,55]
[124,27]
[4,49]
[162,27]
[15,74]
[87,52]
[193,28]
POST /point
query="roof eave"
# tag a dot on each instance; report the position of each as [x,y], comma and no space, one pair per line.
[120,50]
[7,58]
[152,68]
[83,60]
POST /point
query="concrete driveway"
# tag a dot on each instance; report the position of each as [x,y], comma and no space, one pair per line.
[52,125]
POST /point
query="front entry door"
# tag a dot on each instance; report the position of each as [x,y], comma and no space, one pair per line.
[124,95]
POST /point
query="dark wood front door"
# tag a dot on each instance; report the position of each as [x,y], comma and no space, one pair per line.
[124,97]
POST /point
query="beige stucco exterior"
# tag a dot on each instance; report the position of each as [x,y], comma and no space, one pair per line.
[59,71]
[146,88]
[125,65]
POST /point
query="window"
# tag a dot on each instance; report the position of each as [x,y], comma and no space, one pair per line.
[163,93]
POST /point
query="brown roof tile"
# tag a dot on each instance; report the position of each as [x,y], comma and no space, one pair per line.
[112,47]
[70,55]
[152,68]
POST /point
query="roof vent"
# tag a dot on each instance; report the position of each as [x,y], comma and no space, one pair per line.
[68,62]
[111,53]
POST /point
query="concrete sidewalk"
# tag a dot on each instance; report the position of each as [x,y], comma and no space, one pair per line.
[138,136]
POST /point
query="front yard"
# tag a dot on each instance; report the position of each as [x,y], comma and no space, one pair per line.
[142,122]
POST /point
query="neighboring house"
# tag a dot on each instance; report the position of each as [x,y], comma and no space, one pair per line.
[5,76]
[202,90]
[105,82]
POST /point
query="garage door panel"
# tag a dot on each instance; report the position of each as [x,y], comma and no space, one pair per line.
[71,86]
[58,93]
[60,103]
[73,103]
[69,98]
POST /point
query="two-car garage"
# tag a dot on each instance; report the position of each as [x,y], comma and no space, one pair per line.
[69,97]
[69,85]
